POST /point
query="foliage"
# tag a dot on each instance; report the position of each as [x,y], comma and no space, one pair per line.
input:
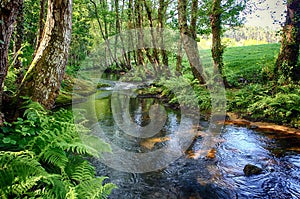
[44,157]
[264,102]
[240,99]
[283,107]
[230,15]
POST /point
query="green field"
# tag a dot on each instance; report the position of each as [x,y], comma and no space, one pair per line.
[247,62]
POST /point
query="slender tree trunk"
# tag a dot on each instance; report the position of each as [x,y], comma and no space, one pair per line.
[104,36]
[217,48]
[161,22]
[139,24]
[179,57]
[8,15]
[194,17]
[43,79]
[286,64]
[155,57]
[130,26]
[189,45]
[118,30]
[18,43]
[41,25]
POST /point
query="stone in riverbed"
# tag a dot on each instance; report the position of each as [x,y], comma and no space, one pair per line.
[250,169]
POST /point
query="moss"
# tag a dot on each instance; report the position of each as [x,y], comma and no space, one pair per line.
[66,98]
[102,85]
[80,86]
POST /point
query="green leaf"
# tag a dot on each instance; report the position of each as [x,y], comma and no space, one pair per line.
[8,140]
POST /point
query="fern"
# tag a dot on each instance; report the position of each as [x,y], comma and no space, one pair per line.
[82,171]
[51,163]
[96,187]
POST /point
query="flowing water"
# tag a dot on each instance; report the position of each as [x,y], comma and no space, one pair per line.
[199,177]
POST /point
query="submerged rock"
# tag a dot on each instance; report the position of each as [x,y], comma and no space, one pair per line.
[250,169]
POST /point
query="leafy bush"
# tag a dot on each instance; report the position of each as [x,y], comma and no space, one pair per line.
[46,158]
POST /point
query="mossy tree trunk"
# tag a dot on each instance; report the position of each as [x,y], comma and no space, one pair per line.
[286,65]
[217,47]
[43,78]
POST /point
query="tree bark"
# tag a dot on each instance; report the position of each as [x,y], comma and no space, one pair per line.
[41,25]
[43,78]
[217,48]
[18,43]
[189,46]
[286,64]
[8,15]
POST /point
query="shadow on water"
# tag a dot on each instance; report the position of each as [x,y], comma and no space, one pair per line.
[188,178]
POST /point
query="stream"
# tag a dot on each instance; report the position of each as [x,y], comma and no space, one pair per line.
[191,177]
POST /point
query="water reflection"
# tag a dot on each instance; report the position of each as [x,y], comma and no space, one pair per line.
[221,177]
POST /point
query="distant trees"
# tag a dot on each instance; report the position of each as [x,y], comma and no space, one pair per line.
[265,34]
[287,62]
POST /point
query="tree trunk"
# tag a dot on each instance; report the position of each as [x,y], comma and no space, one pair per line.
[130,26]
[286,64]
[189,46]
[161,22]
[41,25]
[8,15]
[194,17]
[139,24]
[18,43]
[154,57]
[217,48]
[43,79]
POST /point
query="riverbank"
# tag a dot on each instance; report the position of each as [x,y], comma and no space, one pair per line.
[249,106]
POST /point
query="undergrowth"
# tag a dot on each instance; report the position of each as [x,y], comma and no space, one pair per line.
[42,156]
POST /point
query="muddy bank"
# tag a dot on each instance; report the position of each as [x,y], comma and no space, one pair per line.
[234,119]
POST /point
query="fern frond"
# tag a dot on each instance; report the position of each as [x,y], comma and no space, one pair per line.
[54,156]
[94,188]
[82,172]
[72,194]
[77,148]
[19,171]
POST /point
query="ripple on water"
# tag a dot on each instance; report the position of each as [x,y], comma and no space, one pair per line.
[242,146]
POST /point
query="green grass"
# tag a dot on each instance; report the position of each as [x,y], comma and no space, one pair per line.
[245,64]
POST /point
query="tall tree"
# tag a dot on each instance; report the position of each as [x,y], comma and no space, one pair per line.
[189,46]
[43,78]
[8,15]
[286,64]
[217,48]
